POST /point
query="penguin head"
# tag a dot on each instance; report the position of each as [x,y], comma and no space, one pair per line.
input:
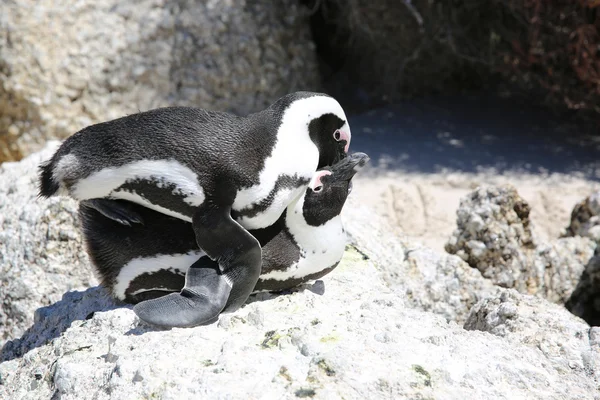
[324,119]
[329,189]
[331,135]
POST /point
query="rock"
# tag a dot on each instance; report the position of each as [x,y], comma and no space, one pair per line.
[359,332]
[585,218]
[585,299]
[380,51]
[356,340]
[430,281]
[66,64]
[560,266]
[41,252]
[494,235]
[549,328]
[49,322]
[585,225]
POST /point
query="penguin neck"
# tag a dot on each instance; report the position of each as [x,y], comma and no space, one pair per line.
[310,237]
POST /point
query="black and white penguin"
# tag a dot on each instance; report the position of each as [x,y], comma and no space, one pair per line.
[149,259]
[203,167]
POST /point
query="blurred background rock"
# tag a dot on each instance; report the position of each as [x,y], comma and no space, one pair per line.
[65,64]
[386,50]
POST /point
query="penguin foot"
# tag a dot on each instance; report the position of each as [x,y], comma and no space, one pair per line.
[115,210]
[199,303]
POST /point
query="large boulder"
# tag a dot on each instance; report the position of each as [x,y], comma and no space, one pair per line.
[65,64]
[380,325]
[550,328]
[494,235]
[41,252]
[585,222]
[585,218]
[349,336]
[430,281]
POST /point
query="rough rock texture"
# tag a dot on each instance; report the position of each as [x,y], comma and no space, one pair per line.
[568,342]
[560,266]
[50,321]
[494,235]
[65,64]
[343,337]
[585,218]
[353,334]
[585,300]
[440,283]
[41,253]
[585,222]
[43,256]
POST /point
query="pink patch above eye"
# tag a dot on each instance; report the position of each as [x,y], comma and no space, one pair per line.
[344,136]
[316,181]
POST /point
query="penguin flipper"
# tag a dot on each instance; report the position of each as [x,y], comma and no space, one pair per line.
[237,252]
[200,302]
[116,210]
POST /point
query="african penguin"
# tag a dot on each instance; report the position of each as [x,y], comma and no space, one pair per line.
[204,167]
[149,259]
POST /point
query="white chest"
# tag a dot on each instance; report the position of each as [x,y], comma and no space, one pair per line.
[320,248]
[294,156]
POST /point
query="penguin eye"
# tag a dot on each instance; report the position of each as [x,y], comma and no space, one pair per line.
[337,135]
[318,188]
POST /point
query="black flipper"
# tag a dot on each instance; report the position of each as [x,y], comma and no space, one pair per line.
[220,281]
[238,252]
[116,210]
[199,303]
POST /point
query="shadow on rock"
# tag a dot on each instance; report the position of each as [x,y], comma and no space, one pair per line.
[473,134]
[585,300]
[51,321]
[318,287]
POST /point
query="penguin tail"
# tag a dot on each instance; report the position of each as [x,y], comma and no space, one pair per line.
[48,185]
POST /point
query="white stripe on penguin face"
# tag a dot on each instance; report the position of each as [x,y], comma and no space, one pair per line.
[294,154]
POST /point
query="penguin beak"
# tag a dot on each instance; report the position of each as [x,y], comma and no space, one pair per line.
[345,169]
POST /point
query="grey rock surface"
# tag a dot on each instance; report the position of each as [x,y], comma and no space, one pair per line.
[494,234]
[559,267]
[585,300]
[585,218]
[343,337]
[360,332]
[430,281]
[50,321]
[65,64]
[585,223]
[41,252]
[523,319]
